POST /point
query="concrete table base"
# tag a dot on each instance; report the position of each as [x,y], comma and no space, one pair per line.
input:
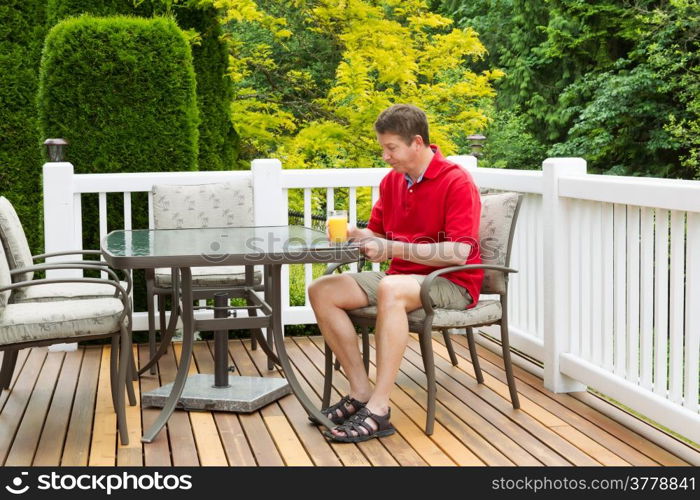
[244,394]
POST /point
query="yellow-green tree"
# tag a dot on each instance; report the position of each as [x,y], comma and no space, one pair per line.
[386,51]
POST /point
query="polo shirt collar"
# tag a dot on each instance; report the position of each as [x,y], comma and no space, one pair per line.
[434,167]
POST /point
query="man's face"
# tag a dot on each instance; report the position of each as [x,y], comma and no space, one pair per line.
[397,153]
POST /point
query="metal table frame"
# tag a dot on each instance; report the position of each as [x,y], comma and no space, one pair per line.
[270,306]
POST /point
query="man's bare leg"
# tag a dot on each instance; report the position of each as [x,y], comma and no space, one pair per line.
[396,296]
[331,296]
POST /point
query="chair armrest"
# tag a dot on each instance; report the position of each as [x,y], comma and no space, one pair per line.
[333,267]
[119,290]
[93,264]
[428,282]
[66,252]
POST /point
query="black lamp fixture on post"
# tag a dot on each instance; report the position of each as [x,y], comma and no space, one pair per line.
[476,142]
[55,149]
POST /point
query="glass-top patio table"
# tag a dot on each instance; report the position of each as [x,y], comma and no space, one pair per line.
[182,249]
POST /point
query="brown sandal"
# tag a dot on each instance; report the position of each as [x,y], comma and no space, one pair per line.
[332,411]
[357,422]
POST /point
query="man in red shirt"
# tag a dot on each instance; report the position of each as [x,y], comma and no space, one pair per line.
[426,218]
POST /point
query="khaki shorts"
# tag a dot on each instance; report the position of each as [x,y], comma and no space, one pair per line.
[444,293]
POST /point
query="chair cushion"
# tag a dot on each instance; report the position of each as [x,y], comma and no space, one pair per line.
[64,291]
[497,215]
[211,276]
[5,279]
[222,204]
[29,322]
[14,240]
[484,313]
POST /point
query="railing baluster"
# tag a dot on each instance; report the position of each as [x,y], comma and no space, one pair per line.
[352,215]
[676,306]
[692,313]
[102,203]
[608,257]
[78,221]
[647,298]
[575,280]
[586,268]
[375,197]
[531,324]
[633,294]
[620,287]
[539,333]
[596,274]
[661,303]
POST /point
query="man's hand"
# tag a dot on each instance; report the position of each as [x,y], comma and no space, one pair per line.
[375,249]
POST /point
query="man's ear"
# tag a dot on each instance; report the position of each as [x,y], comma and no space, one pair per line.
[418,139]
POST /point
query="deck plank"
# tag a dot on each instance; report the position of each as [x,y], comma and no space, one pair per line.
[412,433]
[59,412]
[261,442]
[591,436]
[314,443]
[157,452]
[76,450]
[18,398]
[21,359]
[349,454]
[178,432]
[27,437]
[103,448]
[544,443]
[209,447]
[50,446]
[131,455]
[375,450]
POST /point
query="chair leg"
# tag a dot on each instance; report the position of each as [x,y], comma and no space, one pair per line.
[508,363]
[134,370]
[336,365]
[327,378]
[163,325]
[450,348]
[9,360]
[365,347]
[114,370]
[426,348]
[124,355]
[475,356]
[151,322]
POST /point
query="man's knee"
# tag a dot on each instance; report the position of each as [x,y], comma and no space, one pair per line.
[394,289]
[337,290]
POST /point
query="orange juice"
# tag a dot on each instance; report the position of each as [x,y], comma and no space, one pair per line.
[337,227]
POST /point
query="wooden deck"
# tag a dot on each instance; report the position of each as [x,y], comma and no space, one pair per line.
[59,412]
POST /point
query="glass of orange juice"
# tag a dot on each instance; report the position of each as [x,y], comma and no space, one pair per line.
[338,226]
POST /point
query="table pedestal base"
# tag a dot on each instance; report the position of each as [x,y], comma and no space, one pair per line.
[244,394]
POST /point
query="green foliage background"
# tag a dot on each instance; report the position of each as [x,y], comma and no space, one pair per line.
[21,39]
[615,82]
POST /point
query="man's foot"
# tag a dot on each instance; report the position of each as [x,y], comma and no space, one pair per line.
[362,426]
[341,411]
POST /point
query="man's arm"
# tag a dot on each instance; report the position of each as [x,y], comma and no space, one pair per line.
[443,254]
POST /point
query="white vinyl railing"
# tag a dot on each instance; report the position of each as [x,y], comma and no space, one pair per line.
[608,290]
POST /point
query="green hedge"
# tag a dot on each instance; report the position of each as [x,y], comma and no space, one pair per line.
[218,141]
[122,91]
[22,29]
[57,10]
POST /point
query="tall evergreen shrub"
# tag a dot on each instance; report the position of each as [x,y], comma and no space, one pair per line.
[22,29]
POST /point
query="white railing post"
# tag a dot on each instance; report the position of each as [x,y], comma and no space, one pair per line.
[59,222]
[270,208]
[267,193]
[469,162]
[557,302]
[59,218]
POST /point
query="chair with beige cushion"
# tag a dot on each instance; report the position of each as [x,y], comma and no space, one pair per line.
[35,324]
[227,204]
[18,255]
[499,213]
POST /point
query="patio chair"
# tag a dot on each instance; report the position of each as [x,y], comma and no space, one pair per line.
[18,255]
[226,204]
[499,213]
[34,324]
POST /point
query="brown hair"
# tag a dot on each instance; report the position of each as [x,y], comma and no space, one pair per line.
[404,120]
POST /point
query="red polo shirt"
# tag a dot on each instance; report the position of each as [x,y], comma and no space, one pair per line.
[443,206]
